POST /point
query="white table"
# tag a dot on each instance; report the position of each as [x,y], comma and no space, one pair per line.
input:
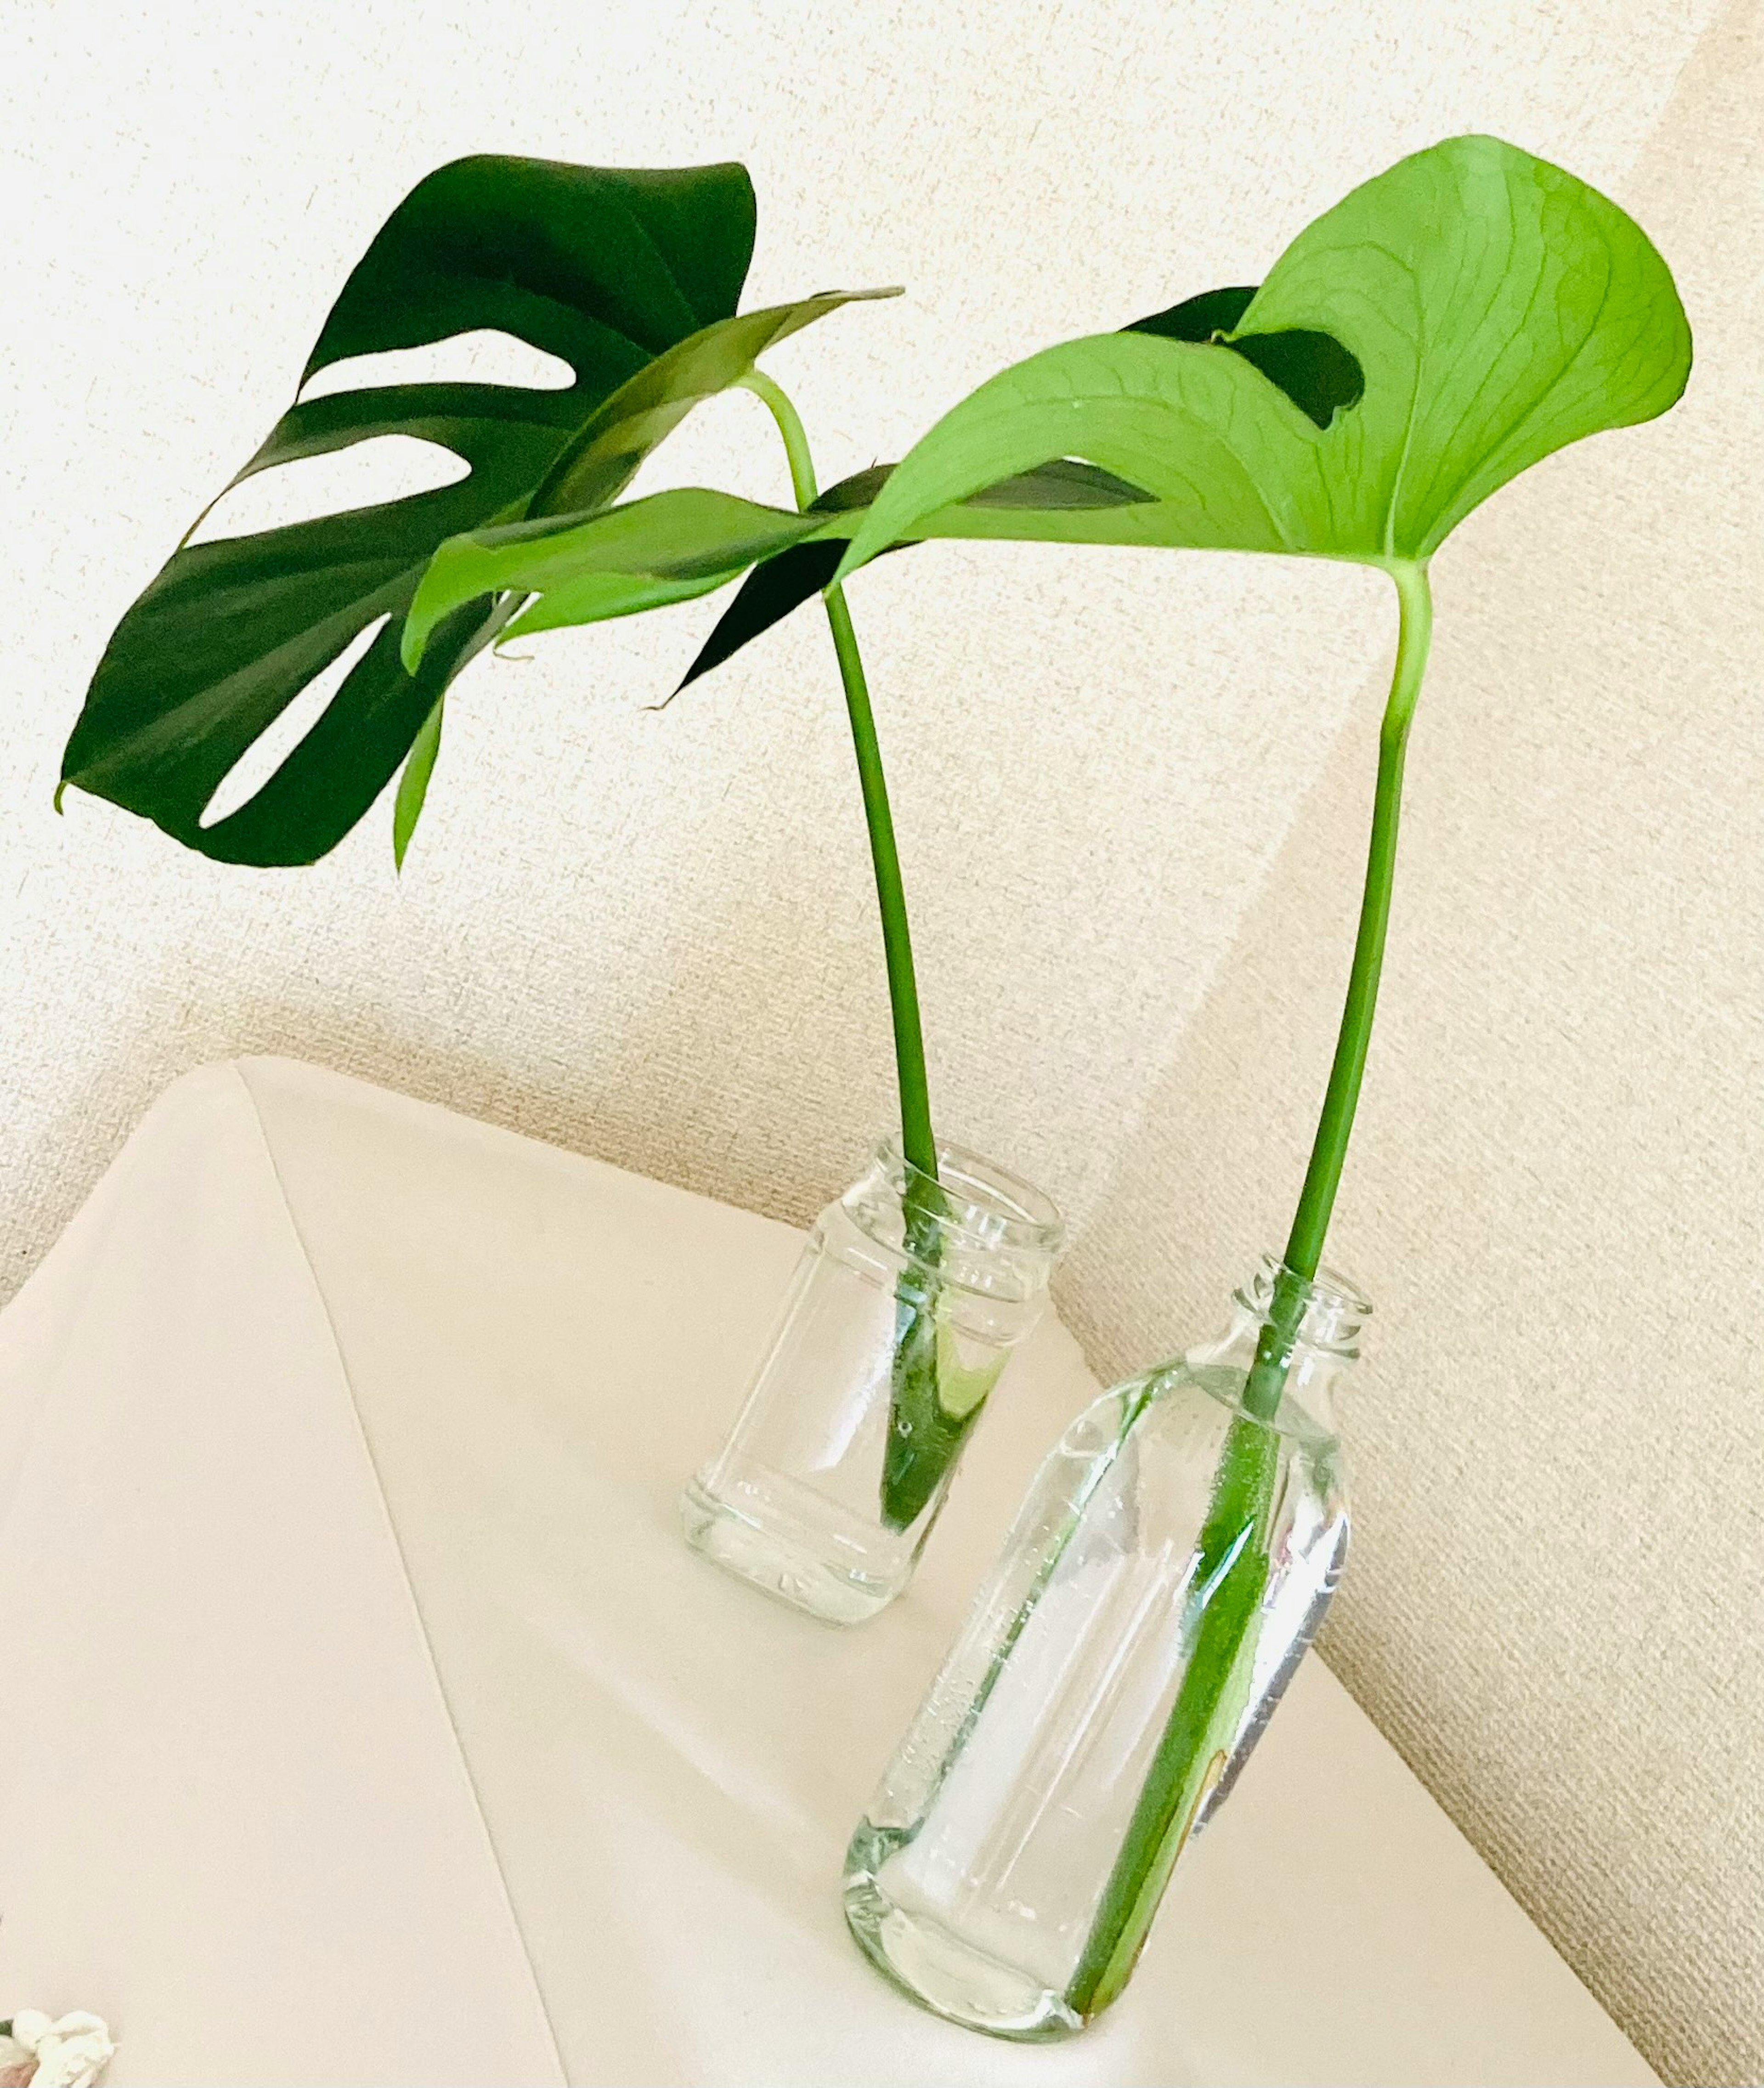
[366,1720]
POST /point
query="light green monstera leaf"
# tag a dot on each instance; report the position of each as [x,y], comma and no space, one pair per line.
[1498,308]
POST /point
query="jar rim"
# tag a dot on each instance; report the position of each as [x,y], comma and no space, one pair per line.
[980,1199]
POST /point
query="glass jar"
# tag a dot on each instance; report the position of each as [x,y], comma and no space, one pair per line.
[1171,1564]
[909,1298]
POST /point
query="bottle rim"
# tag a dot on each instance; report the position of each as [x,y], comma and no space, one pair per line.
[987,1205]
[1334,1306]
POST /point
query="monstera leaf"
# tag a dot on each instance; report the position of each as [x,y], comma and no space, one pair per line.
[1314,370]
[1449,323]
[631,278]
[670,546]
[1497,307]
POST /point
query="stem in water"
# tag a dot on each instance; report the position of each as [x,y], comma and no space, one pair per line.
[1231,1565]
[923,1438]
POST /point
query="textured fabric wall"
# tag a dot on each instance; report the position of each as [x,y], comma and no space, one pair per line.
[1131,792]
[1556,1195]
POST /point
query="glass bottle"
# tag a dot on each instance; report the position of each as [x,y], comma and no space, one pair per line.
[1167,1571]
[909,1298]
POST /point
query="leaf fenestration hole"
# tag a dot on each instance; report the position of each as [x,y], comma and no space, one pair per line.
[1317,374]
[1321,377]
[366,474]
[267,753]
[485,356]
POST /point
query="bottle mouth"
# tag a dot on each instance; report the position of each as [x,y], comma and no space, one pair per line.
[1323,1311]
[972,1197]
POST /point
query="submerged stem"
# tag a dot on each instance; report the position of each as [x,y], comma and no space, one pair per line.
[924,1438]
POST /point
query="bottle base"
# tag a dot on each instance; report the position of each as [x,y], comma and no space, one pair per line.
[933,1966]
[784,1564]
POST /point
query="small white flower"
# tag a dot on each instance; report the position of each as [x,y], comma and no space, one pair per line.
[69,2052]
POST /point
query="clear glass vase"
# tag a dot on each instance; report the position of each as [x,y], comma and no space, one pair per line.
[1169,1566]
[909,1298]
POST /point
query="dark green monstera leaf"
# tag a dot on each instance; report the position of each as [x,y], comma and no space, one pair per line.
[631,277]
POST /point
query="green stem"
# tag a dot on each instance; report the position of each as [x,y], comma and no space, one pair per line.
[777,401]
[924,1438]
[1323,1177]
[1231,1565]
[1316,1200]
[917,1139]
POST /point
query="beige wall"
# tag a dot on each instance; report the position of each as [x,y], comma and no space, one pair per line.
[1557,1603]
[1132,797]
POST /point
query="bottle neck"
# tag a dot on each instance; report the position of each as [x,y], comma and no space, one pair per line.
[1316,1325]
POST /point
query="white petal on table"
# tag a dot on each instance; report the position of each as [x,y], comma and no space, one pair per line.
[62,2051]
